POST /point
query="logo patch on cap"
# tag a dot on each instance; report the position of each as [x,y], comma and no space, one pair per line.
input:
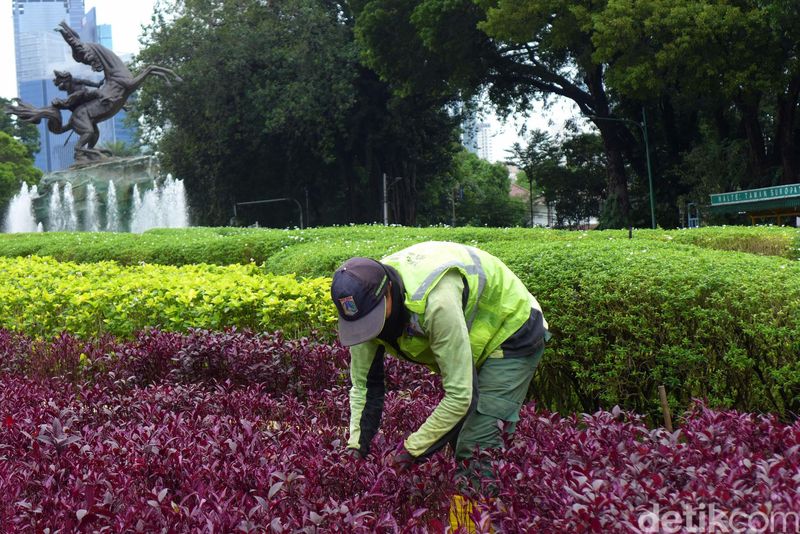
[348,306]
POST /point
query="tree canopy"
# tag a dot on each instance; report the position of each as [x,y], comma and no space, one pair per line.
[721,58]
[317,100]
[275,104]
[24,132]
[703,74]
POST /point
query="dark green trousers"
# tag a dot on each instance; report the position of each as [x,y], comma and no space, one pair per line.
[502,389]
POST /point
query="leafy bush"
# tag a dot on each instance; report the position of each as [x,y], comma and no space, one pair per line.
[43,297]
[255,454]
[628,315]
[285,251]
[631,314]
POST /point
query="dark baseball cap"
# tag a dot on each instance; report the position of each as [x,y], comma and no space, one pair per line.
[359,292]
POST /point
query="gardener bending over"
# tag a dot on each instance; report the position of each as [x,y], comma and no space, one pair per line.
[461,312]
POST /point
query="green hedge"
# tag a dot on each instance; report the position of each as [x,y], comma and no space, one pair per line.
[281,250]
[42,297]
[761,240]
[630,316]
[627,315]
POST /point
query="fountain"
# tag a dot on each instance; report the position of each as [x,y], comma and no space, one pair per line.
[91,223]
[20,216]
[115,195]
[70,218]
[55,213]
[112,211]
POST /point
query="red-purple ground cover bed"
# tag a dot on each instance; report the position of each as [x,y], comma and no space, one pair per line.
[235,432]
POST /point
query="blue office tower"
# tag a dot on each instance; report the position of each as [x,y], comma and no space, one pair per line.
[40,50]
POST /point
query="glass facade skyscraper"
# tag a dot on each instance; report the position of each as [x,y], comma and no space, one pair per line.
[39,51]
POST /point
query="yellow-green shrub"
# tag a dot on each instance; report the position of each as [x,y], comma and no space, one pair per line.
[41,297]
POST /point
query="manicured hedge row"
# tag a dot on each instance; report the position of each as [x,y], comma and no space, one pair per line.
[630,315]
[627,315]
[221,246]
[275,248]
[41,297]
[762,240]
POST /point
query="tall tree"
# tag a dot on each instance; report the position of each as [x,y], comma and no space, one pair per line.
[274,104]
[518,50]
[570,173]
[720,56]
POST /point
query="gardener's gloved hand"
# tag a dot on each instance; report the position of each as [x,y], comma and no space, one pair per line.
[400,459]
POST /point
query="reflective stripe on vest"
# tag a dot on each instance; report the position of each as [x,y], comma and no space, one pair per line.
[476,268]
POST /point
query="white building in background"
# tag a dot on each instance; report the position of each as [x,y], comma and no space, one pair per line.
[538,213]
[484,138]
[477,138]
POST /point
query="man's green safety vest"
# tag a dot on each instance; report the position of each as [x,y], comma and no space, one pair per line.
[498,303]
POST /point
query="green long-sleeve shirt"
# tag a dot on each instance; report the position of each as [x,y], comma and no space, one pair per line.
[445,327]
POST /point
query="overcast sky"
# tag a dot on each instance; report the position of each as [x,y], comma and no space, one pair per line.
[127,18]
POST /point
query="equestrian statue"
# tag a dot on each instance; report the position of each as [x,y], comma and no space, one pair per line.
[89,106]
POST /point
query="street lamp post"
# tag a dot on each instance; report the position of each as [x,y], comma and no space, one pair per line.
[643,126]
[386,197]
[530,195]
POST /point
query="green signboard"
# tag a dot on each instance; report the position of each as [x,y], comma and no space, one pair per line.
[754,195]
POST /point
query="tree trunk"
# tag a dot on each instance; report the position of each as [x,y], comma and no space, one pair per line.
[404,195]
[351,191]
[785,137]
[617,208]
[748,107]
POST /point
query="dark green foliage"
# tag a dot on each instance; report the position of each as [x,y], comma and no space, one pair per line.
[275,104]
[569,172]
[719,77]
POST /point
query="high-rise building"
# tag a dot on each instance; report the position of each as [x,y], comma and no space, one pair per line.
[475,135]
[104,36]
[39,51]
[469,133]
[484,138]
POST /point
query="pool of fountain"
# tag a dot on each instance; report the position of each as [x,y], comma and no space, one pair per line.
[117,195]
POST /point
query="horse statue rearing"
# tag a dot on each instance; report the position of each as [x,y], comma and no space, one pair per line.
[89,107]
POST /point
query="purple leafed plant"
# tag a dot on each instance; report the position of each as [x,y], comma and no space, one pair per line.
[237,432]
